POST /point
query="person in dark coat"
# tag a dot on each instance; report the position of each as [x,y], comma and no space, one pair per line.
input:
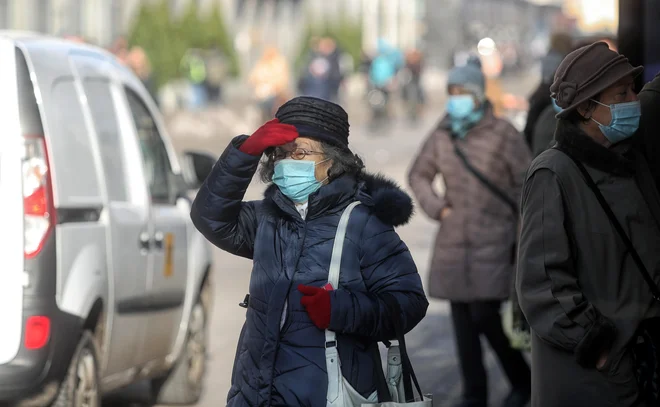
[647,140]
[560,46]
[322,76]
[578,286]
[472,264]
[289,235]
[544,130]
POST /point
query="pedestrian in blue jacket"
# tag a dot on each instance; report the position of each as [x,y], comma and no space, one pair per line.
[289,235]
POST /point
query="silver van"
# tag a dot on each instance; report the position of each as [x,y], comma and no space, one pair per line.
[104,279]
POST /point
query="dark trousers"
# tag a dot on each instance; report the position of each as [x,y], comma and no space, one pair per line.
[483,317]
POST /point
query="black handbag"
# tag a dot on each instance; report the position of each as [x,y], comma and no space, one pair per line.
[645,346]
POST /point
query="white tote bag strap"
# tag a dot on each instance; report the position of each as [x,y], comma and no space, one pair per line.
[338,247]
[335,380]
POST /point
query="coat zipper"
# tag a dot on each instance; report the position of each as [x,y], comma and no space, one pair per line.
[285,315]
[282,324]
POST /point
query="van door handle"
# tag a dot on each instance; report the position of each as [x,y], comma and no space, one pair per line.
[158,240]
[144,242]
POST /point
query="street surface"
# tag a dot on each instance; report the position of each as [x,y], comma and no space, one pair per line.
[431,344]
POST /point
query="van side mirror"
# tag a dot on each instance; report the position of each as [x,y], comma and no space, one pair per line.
[196,166]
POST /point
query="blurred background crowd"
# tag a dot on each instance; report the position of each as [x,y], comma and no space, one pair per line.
[194,54]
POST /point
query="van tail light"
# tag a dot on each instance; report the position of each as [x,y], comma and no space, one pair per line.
[37,332]
[38,211]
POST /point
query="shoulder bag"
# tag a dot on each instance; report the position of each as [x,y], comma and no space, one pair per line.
[394,391]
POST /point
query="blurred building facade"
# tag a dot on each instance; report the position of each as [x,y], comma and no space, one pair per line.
[514,25]
[253,21]
[100,21]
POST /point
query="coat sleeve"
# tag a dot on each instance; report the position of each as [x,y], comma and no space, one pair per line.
[547,284]
[387,267]
[421,177]
[219,212]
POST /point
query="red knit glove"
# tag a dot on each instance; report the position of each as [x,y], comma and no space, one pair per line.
[317,303]
[271,134]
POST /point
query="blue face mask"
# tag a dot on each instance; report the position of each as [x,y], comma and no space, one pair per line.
[556,106]
[625,121]
[296,179]
[460,106]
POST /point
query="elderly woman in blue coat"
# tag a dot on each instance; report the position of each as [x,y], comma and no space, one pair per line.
[289,235]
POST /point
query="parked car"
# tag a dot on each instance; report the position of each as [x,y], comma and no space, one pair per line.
[104,279]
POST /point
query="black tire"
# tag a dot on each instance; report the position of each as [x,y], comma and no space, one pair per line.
[76,390]
[184,383]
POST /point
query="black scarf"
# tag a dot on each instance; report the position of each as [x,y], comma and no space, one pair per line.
[617,160]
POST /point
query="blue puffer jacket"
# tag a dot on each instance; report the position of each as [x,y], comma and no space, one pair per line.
[286,366]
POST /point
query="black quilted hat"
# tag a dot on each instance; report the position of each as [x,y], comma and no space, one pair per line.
[317,119]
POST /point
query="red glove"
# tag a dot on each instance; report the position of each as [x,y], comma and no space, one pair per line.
[317,303]
[271,134]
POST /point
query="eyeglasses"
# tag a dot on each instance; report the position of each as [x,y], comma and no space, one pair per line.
[297,154]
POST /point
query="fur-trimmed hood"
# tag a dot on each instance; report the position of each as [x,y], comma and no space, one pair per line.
[390,203]
[384,197]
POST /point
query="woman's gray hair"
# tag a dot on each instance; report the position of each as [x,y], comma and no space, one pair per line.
[343,162]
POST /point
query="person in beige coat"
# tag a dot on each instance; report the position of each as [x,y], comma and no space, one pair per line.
[472,264]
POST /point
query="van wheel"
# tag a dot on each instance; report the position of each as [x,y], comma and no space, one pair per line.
[80,387]
[183,385]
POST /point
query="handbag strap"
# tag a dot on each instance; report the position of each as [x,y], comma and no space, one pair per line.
[338,247]
[617,226]
[408,371]
[494,189]
[382,389]
[335,261]
[333,278]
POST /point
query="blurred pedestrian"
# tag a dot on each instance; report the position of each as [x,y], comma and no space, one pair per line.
[216,74]
[580,276]
[385,65]
[482,160]
[560,45]
[270,80]
[323,75]
[383,70]
[119,49]
[194,69]
[138,61]
[330,49]
[289,235]
[413,93]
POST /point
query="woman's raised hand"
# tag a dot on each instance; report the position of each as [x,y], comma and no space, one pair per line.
[271,134]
